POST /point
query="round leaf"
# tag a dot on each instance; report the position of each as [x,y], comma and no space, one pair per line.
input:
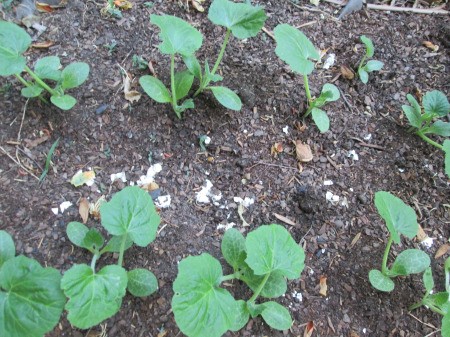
[321,119]
[74,75]
[380,282]
[363,75]
[76,232]
[369,45]
[399,217]
[227,98]
[48,68]
[177,35]
[200,307]
[33,90]
[410,261]
[294,48]
[276,316]
[7,247]
[436,103]
[233,248]
[93,297]
[131,211]
[13,42]
[373,65]
[155,89]
[65,102]
[271,248]
[333,91]
[242,19]
[33,301]
[141,282]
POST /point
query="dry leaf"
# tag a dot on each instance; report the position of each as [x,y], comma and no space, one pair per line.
[123,4]
[353,334]
[44,8]
[421,235]
[81,178]
[241,210]
[347,73]
[309,328]
[284,219]
[43,45]
[94,208]
[323,286]
[197,5]
[276,148]
[303,151]
[33,143]
[300,126]
[355,240]
[83,209]
[430,45]
[130,95]
[442,250]
[52,3]
[163,333]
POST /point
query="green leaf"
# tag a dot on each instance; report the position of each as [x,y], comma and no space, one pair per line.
[227,98]
[187,104]
[93,297]
[76,232]
[446,146]
[363,75]
[445,325]
[14,41]
[131,211]
[428,281]
[438,299]
[275,286]
[439,128]
[270,248]
[177,35]
[413,118]
[93,240]
[370,49]
[33,90]
[114,244]
[321,119]
[183,83]
[436,103]
[254,309]
[242,316]
[294,48]
[193,65]
[141,282]
[415,105]
[31,300]
[48,68]
[242,19]
[380,281]
[276,316]
[233,248]
[410,261]
[155,89]
[200,307]
[331,92]
[373,65]
[74,75]
[64,102]
[7,247]
[399,217]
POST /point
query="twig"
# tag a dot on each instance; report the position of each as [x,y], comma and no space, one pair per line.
[268,32]
[435,10]
[273,165]
[373,146]
[427,324]
[18,163]
[345,100]
[310,23]
[312,10]
[23,117]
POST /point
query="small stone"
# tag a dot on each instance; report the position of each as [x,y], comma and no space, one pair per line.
[362,198]
[346,319]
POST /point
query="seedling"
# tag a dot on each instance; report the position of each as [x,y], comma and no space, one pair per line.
[130,217]
[437,302]
[294,48]
[31,299]
[426,120]
[139,62]
[262,261]
[243,21]
[111,9]
[178,37]
[48,161]
[400,219]
[14,41]
[372,65]
[111,46]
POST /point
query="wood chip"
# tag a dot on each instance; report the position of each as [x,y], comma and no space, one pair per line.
[285,220]
[303,151]
[442,250]
[83,209]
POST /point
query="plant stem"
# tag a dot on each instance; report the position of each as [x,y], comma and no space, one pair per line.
[362,61]
[122,250]
[94,260]
[40,82]
[308,96]
[27,84]
[260,288]
[172,84]
[384,268]
[429,141]
[228,277]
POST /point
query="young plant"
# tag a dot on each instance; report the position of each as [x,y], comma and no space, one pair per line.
[130,217]
[263,261]
[437,302]
[178,37]
[243,21]
[14,41]
[294,48]
[400,219]
[31,299]
[435,106]
[372,65]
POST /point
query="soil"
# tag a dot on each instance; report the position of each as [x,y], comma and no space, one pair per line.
[342,241]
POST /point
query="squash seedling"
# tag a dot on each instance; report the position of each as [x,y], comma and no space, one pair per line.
[178,37]
[426,121]
[372,65]
[262,261]
[14,41]
[130,217]
[241,20]
[400,219]
[437,302]
[294,48]
[31,299]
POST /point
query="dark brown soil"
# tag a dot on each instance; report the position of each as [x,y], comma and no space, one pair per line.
[131,137]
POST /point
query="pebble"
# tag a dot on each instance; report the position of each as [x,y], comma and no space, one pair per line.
[362,198]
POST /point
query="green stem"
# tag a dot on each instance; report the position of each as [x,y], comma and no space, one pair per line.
[172,84]
[308,96]
[384,268]
[27,84]
[40,82]
[416,305]
[94,261]
[260,288]
[362,62]
[229,277]
[122,250]
[429,141]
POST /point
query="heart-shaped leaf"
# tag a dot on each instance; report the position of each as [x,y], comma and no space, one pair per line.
[93,297]
[244,20]
[233,248]
[227,98]
[369,45]
[132,212]
[74,75]
[436,103]
[410,261]
[14,41]
[64,102]
[270,248]
[276,316]
[321,119]
[380,281]
[399,217]
[331,91]
[183,83]
[155,89]
[31,300]
[141,282]
[7,247]
[373,65]
[200,307]
[48,68]
[294,48]
[177,35]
